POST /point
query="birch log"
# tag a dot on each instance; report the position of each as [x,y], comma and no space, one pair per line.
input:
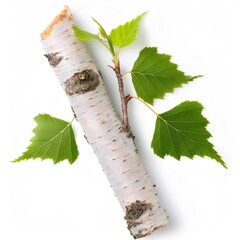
[111,142]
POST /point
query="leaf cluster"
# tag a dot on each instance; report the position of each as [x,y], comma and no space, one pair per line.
[119,37]
[181,131]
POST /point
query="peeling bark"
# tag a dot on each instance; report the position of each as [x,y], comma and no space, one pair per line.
[111,142]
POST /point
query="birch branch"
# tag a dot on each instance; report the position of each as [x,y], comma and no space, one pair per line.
[112,143]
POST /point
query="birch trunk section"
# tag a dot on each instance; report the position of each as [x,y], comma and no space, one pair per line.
[112,144]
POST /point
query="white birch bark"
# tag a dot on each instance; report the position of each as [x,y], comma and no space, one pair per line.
[113,145]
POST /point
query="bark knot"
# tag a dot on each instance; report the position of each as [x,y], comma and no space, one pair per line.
[134,211]
[53,58]
[82,82]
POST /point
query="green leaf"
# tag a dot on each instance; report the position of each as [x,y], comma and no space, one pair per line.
[182,131]
[54,139]
[104,34]
[102,31]
[154,75]
[83,35]
[125,34]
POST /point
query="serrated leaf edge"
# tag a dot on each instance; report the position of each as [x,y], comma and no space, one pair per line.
[69,125]
[138,19]
[155,51]
[218,158]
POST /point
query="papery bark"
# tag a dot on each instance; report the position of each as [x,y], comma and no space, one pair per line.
[112,143]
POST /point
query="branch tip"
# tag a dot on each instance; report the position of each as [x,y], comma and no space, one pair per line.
[65,13]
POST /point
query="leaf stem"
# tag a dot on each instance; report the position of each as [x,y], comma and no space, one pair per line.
[72,120]
[128,98]
[105,45]
[111,47]
[124,74]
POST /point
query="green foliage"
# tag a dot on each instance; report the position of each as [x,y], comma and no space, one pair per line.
[182,131]
[120,37]
[54,139]
[104,34]
[102,31]
[83,35]
[154,75]
[125,34]
[179,132]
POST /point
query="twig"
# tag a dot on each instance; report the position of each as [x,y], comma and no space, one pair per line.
[119,76]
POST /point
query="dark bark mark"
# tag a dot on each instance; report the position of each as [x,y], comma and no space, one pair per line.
[82,82]
[74,113]
[144,232]
[125,128]
[134,211]
[100,73]
[86,139]
[125,171]
[53,58]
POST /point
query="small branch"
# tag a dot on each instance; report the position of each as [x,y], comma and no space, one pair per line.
[119,76]
[111,67]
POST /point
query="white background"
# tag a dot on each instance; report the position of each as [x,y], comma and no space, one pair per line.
[39,200]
